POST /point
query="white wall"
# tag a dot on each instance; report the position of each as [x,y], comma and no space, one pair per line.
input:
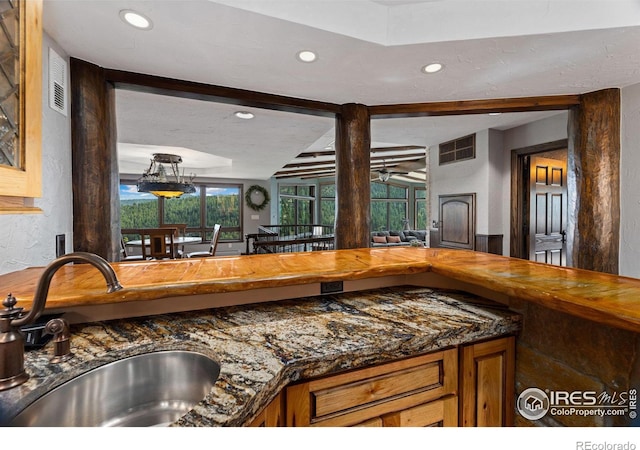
[541,131]
[464,177]
[495,187]
[489,174]
[630,182]
[29,239]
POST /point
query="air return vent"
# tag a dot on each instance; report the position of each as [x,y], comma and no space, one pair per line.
[57,82]
[458,150]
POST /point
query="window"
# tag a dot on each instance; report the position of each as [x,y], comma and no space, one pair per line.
[211,203]
[222,205]
[297,203]
[458,150]
[183,209]
[137,210]
[327,204]
[420,222]
[389,206]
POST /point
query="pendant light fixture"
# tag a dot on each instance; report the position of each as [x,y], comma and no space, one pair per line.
[156,181]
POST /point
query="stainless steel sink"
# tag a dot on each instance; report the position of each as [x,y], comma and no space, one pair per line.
[152,389]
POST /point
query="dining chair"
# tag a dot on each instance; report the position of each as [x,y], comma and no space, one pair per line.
[124,256]
[212,247]
[161,243]
[181,233]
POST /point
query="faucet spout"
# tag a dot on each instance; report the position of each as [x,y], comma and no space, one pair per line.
[42,290]
[12,371]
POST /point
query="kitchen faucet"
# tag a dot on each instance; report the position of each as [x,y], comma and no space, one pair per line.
[12,371]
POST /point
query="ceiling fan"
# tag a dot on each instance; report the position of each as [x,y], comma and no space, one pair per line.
[384,174]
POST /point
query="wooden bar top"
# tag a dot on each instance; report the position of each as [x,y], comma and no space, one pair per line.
[602,298]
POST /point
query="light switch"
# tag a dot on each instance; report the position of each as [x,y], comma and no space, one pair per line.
[255,217]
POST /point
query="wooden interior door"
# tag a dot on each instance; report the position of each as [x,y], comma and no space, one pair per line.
[457,220]
[548,211]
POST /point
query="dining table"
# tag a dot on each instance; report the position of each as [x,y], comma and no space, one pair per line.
[177,242]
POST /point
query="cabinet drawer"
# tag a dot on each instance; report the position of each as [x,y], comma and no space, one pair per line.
[359,395]
[443,412]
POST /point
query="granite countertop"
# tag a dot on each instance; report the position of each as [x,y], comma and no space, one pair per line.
[263,347]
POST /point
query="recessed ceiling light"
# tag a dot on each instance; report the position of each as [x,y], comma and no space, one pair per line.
[244,115]
[495,113]
[135,19]
[307,56]
[432,68]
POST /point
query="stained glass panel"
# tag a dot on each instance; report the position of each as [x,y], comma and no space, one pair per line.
[9,83]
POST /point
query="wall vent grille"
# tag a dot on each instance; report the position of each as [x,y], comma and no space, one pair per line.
[57,82]
[458,150]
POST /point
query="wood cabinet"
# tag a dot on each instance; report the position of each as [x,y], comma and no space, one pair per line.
[457,221]
[487,377]
[272,415]
[390,394]
[442,412]
[472,385]
[21,179]
[489,243]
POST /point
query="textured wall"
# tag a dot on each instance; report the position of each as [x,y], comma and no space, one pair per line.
[541,131]
[29,239]
[489,174]
[464,177]
[629,176]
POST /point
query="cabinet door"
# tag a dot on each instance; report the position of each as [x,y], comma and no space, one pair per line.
[21,175]
[443,413]
[487,377]
[373,423]
[357,396]
[272,415]
[457,221]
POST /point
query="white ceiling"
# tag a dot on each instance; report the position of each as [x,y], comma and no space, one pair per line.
[369,52]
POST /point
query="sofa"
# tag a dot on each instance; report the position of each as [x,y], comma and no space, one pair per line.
[396,238]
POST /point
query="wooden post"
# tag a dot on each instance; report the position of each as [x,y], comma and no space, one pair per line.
[96,212]
[353,177]
[594,178]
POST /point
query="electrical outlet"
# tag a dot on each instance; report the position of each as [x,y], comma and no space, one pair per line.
[331,287]
[61,247]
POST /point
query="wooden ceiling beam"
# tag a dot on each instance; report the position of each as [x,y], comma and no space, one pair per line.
[523,104]
[208,92]
[506,105]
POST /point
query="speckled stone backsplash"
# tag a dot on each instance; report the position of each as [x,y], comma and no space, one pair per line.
[263,347]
